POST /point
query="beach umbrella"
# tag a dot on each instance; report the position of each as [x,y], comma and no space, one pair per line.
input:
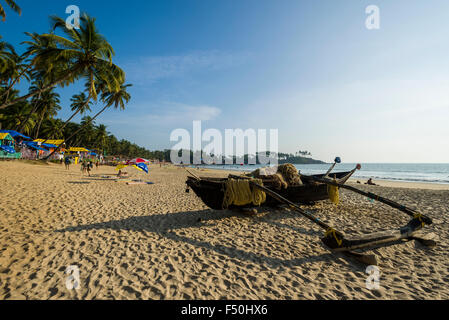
[139,166]
[138,160]
[142,167]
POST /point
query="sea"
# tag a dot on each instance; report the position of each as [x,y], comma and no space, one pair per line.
[409,172]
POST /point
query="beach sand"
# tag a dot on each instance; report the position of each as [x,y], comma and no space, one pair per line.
[159,242]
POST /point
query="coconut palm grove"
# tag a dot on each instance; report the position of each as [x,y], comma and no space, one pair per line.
[61,58]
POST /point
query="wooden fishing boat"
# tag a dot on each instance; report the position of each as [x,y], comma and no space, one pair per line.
[314,188]
[212,190]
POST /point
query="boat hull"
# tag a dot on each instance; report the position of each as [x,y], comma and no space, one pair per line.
[211,191]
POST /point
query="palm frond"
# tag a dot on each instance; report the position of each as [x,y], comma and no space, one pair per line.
[14,6]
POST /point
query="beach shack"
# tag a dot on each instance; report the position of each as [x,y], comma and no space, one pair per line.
[51,145]
[18,137]
[22,143]
[78,152]
[7,147]
[33,150]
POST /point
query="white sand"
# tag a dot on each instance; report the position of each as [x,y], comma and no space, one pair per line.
[145,242]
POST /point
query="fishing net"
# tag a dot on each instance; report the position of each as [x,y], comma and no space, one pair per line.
[240,192]
[281,177]
[290,174]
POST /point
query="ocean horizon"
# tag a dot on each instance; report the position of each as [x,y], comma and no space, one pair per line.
[407,172]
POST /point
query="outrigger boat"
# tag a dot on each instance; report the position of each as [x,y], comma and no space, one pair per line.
[212,190]
[333,239]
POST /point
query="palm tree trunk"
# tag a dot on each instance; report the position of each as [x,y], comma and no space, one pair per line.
[14,82]
[77,131]
[32,94]
[39,127]
[77,111]
[71,117]
[20,128]
[77,141]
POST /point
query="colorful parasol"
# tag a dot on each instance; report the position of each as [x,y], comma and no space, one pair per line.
[137,161]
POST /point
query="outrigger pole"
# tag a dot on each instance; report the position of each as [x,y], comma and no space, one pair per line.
[335,240]
[337,160]
[330,231]
[326,179]
[376,197]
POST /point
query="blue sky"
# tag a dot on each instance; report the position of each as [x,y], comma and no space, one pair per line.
[308,68]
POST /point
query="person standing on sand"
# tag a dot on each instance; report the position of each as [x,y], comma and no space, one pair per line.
[84,166]
[67,163]
[89,166]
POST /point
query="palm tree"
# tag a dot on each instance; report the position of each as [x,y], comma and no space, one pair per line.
[83,53]
[101,137]
[51,128]
[80,104]
[37,45]
[10,64]
[7,53]
[118,99]
[17,115]
[13,6]
[35,101]
[48,107]
[70,127]
[87,132]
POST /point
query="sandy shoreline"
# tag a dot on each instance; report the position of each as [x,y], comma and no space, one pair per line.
[158,242]
[405,184]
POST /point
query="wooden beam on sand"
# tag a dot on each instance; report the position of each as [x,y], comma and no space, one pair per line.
[337,243]
[409,232]
[426,239]
[367,259]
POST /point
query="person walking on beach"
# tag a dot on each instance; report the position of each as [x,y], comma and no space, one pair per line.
[84,166]
[67,163]
[89,166]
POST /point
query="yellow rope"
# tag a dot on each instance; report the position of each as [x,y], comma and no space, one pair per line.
[419,217]
[331,231]
[332,191]
[239,193]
